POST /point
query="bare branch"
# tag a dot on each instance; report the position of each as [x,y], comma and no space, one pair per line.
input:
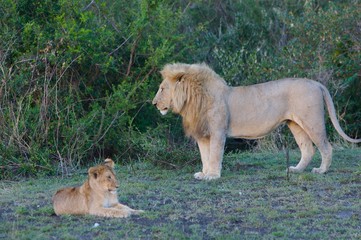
[88,6]
[121,45]
[132,54]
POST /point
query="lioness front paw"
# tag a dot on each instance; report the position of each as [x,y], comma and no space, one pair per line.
[319,170]
[295,169]
[123,214]
[136,212]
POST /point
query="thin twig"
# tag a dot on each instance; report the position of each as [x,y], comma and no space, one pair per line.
[121,45]
[88,6]
[287,160]
[132,54]
[106,130]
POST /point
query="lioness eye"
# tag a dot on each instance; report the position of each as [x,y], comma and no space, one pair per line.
[109,177]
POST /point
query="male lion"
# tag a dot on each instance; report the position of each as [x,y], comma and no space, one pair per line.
[97,196]
[212,111]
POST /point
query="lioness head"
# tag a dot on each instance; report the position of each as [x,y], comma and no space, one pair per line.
[102,177]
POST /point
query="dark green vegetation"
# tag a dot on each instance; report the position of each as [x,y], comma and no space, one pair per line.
[252,200]
[77,76]
[76,80]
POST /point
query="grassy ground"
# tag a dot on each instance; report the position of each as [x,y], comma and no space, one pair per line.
[252,200]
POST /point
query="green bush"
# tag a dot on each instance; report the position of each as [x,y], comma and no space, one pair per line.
[77,77]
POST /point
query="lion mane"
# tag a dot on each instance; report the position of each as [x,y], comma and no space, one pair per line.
[191,97]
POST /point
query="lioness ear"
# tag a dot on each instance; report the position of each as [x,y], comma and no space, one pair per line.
[93,172]
[109,162]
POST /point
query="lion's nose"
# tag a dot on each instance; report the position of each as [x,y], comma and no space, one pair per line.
[154,103]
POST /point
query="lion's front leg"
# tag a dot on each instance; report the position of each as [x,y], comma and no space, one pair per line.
[110,212]
[124,207]
[211,157]
[203,145]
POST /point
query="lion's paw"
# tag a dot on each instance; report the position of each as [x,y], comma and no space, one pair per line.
[119,214]
[319,170]
[136,212]
[295,169]
[212,176]
[199,175]
[209,176]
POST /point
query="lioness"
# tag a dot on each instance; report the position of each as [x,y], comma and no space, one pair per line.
[211,111]
[97,196]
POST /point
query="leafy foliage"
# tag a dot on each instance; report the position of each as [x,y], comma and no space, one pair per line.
[77,77]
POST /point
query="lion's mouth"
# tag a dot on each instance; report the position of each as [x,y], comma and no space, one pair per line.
[113,191]
[164,111]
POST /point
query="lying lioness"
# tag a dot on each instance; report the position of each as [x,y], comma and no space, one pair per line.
[97,196]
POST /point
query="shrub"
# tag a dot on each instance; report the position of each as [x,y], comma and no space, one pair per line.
[77,77]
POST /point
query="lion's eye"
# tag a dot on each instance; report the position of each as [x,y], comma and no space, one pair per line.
[109,177]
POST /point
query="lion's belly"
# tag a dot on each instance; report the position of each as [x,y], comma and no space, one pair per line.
[252,129]
[256,116]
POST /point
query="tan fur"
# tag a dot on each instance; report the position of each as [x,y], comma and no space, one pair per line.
[97,196]
[212,111]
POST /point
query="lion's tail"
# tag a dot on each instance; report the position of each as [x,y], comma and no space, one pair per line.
[332,114]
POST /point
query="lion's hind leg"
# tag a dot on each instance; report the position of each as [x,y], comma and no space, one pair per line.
[305,144]
[326,153]
[315,132]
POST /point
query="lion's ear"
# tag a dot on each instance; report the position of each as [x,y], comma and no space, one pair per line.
[109,162]
[174,77]
[93,172]
[179,77]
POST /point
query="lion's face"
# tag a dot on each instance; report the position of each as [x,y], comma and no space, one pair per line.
[163,98]
[102,178]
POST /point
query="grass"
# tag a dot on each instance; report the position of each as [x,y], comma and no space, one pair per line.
[252,200]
